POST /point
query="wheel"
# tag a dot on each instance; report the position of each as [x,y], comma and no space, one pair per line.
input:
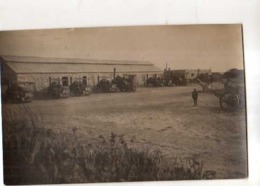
[229,101]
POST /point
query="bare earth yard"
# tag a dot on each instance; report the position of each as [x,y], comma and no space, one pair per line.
[162,118]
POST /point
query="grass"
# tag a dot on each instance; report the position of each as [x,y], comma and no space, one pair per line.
[36,155]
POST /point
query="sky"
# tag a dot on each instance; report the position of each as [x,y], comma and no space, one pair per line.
[218,47]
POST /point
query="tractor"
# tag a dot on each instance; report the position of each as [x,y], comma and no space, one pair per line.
[19,92]
[119,83]
[57,90]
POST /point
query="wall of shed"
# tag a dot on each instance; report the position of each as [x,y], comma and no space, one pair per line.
[8,76]
[42,81]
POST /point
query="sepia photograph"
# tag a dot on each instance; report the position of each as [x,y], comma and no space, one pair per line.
[123,104]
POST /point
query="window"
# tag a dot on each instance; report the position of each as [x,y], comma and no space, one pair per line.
[65,81]
[85,80]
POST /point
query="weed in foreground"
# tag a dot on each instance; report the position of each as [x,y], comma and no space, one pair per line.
[36,155]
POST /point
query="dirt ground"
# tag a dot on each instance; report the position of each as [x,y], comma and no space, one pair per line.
[162,118]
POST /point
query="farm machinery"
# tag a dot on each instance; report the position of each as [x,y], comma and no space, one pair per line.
[164,81]
[118,83]
[231,97]
[56,90]
[19,92]
[104,86]
[79,88]
[61,88]
[169,78]
[155,82]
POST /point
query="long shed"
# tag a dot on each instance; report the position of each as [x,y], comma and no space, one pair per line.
[41,70]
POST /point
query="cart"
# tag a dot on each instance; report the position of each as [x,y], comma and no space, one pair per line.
[231,97]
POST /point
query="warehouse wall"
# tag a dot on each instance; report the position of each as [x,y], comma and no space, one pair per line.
[42,81]
[8,76]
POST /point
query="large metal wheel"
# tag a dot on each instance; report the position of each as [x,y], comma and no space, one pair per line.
[229,101]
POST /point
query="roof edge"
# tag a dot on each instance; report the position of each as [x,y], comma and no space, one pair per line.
[53,60]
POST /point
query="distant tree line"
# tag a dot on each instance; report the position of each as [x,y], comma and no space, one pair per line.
[233,73]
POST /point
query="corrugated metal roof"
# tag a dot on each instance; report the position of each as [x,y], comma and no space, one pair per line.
[29,59]
[24,67]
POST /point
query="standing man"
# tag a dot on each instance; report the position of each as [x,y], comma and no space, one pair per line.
[195,95]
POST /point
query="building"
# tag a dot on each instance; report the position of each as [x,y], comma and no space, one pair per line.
[41,71]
